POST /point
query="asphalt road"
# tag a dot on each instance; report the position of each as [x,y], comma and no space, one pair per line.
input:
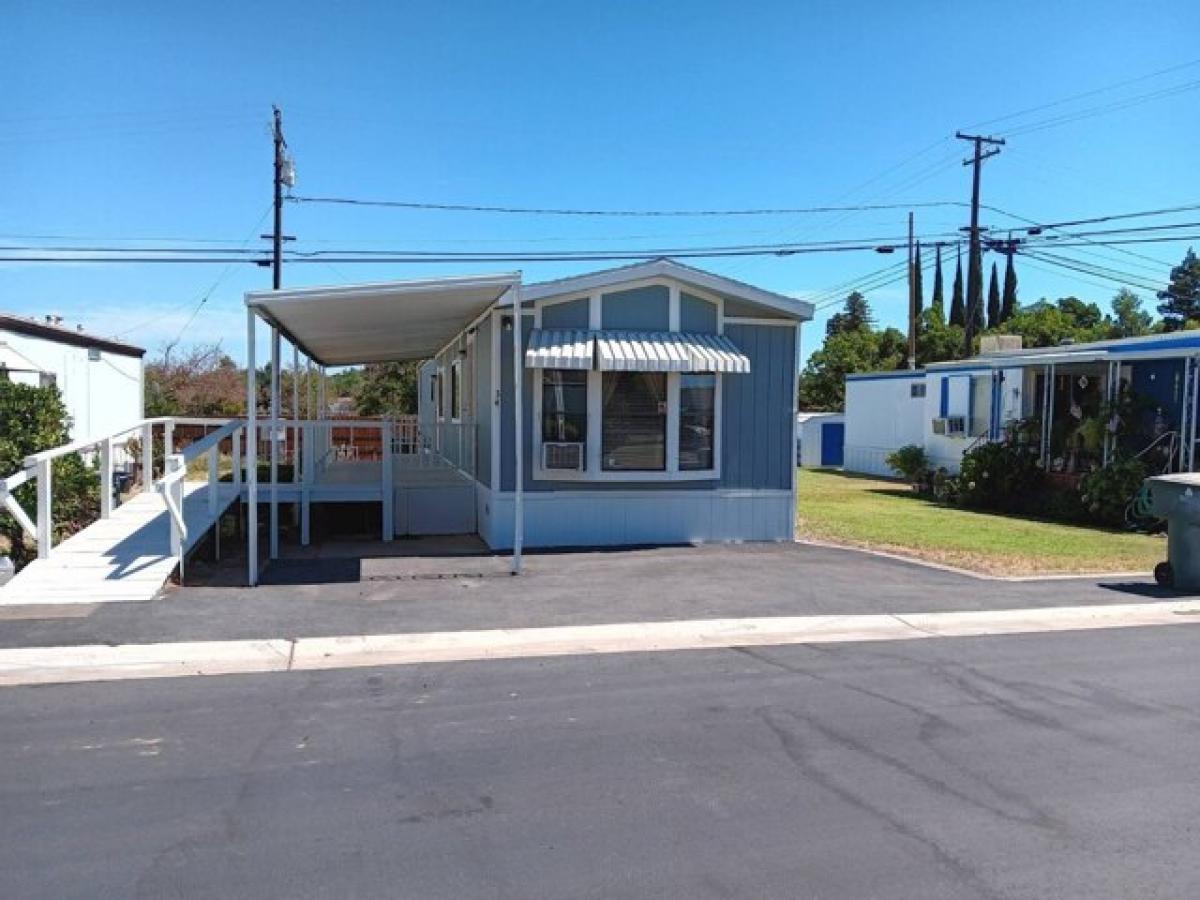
[1034,766]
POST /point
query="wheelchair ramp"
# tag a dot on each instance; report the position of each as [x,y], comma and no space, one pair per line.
[125,557]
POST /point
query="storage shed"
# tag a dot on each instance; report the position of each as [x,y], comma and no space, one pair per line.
[820,439]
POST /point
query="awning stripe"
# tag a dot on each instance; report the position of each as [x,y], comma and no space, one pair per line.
[634,351]
[550,349]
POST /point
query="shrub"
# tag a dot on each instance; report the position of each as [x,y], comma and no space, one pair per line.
[1004,477]
[1105,494]
[910,463]
[34,420]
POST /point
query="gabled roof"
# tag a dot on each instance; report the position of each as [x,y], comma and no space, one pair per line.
[62,335]
[669,268]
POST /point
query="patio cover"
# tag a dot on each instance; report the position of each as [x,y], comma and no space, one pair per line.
[634,351]
[384,322]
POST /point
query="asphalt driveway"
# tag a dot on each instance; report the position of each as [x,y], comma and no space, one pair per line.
[336,596]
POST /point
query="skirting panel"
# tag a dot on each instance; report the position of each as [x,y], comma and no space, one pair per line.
[625,518]
[869,461]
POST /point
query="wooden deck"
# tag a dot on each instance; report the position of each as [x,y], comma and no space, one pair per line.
[125,557]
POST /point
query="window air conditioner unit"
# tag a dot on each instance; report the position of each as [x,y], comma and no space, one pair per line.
[563,456]
[950,426]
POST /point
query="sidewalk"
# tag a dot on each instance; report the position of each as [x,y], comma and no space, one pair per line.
[390,596]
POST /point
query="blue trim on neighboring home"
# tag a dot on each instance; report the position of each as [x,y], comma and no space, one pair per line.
[883,376]
[944,399]
[1190,343]
[937,370]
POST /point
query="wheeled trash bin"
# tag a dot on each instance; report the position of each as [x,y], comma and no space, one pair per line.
[1176,498]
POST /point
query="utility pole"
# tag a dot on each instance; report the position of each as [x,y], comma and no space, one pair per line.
[277,233]
[975,257]
[912,299]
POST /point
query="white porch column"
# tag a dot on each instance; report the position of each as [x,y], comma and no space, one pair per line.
[295,414]
[387,491]
[273,537]
[1195,410]
[106,477]
[251,453]
[518,437]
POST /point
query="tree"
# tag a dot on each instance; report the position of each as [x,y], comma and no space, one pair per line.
[387,389]
[856,316]
[823,381]
[201,381]
[1008,304]
[1084,315]
[35,420]
[918,286]
[936,340]
[958,313]
[993,310]
[936,304]
[1180,302]
[1130,320]
[1046,324]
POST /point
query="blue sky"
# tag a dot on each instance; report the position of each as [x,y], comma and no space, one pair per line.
[128,121]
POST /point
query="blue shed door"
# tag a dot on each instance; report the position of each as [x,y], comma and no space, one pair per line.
[833,441]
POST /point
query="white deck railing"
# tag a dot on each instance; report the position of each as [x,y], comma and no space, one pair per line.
[315,444]
[39,467]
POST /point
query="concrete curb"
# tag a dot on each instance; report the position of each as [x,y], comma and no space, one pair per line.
[61,665]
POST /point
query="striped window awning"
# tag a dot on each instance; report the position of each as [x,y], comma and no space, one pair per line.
[635,351]
[560,349]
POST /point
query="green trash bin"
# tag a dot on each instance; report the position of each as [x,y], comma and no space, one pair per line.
[1176,498]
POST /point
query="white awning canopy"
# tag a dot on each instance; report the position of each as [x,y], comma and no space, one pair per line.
[560,349]
[634,351]
[385,322]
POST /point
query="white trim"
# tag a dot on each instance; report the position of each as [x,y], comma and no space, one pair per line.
[673,306]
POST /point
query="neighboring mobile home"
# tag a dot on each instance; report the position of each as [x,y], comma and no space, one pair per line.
[1079,405]
[100,379]
[656,405]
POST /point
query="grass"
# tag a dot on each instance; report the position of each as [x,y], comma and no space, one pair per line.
[886,515]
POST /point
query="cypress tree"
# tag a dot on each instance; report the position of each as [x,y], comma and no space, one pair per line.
[937,304]
[994,316]
[1008,305]
[958,314]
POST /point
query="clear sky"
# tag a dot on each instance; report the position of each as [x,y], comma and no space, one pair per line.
[149,120]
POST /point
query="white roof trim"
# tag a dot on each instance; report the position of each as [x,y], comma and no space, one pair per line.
[667,268]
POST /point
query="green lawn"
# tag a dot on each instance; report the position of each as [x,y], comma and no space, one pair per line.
[886,515]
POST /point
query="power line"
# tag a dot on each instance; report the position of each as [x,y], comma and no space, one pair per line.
[1085,94]
[1068,118]
[617,213]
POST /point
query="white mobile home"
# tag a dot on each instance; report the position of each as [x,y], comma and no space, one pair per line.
[100,380]
[1078,404]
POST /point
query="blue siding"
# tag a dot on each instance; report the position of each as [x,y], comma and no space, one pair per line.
[571,314]
[697,315]
[738,308]
[483,402]
[757,449]
[638,309]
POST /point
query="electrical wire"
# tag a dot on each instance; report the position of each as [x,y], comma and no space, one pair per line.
[615,213]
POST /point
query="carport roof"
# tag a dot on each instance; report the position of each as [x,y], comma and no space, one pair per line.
[383,322]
